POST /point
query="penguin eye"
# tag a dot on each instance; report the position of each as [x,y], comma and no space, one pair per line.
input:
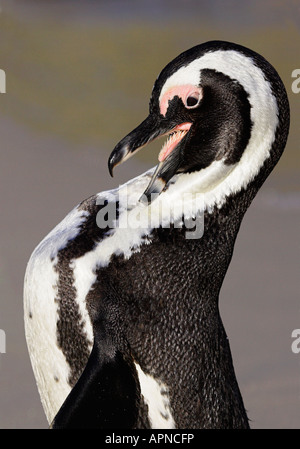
[192,100]
[190,95]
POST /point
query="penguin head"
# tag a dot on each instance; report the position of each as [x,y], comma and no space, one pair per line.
[219,106]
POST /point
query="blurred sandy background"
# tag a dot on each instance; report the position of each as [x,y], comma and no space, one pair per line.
[79,76]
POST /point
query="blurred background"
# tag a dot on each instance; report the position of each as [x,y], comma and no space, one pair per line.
[78,78]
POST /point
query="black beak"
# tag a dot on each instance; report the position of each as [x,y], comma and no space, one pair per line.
[146,132]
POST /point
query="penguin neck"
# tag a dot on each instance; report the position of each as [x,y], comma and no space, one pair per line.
[190,352]
[220,398]
[220,403]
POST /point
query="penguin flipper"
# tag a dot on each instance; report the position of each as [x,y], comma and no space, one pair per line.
[105,396]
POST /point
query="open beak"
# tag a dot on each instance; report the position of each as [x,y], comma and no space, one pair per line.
[169,157]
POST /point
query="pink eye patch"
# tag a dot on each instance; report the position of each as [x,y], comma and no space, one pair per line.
[189,94]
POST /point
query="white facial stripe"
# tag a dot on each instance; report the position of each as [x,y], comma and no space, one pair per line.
[230,62]
[264,117]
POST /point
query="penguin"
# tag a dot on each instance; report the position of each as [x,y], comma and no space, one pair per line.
[121,299]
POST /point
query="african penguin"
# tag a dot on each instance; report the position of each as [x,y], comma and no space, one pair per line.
[121,298]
